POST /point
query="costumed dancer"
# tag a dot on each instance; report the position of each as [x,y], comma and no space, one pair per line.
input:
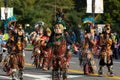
[61,58]
[36,42]
[106,58]
[20,42]
[16,54]
[7,37]
[45,50]
[87,60]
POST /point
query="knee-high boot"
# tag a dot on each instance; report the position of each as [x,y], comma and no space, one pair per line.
[14,77]
[110,70]
[100,71]
[64,74]
[21,74]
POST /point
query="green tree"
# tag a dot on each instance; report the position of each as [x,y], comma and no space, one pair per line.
[38,10]
[74,10]
[111,11]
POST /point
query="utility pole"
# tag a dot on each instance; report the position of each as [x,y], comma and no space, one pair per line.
[6,8]
[6,3]
[93,9]
[5,12]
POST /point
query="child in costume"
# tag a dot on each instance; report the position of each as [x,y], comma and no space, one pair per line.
[106,59]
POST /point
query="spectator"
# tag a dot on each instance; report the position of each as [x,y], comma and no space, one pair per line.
[67,36]
[1,35]
[73,37]
[5,37]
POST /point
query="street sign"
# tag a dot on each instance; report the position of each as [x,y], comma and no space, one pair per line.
[8,11]
[95,5]
[5,10]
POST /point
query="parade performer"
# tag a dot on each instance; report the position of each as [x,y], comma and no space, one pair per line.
[61,58]
[8,36]
[46,51]
[35,37]
[106,58]
[87,60]
[6,51]
[16,46]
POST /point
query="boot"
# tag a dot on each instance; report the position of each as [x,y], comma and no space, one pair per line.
[111,74]
[100,72]
[64,74]
[110,71]
[21,74]
[44,67]
[14,76]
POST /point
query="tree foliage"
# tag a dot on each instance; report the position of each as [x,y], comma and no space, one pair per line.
[31,11]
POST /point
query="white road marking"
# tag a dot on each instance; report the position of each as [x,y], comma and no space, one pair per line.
[74,76]
[116,62]
[48,76]
[40,77]
[72,62]
[5,77]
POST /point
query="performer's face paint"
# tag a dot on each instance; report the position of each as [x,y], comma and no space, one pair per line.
[58,28]
[40,32]
[20,32]
[48,33]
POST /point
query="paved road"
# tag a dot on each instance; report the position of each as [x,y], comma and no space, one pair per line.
[75,71]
